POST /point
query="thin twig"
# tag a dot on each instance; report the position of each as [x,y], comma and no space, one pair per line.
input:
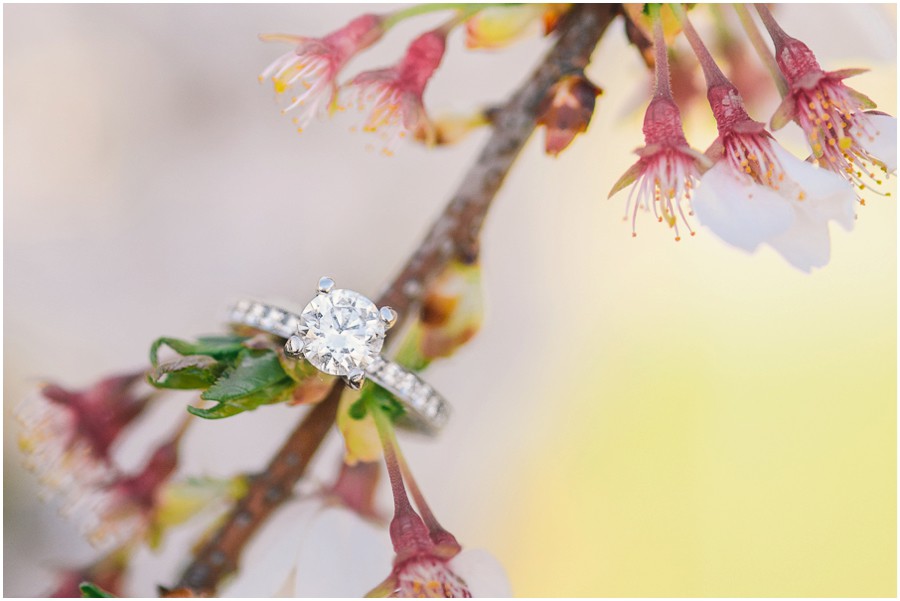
[456,232]
[219,555]
[454,235]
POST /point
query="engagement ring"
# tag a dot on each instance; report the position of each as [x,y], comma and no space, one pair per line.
[341,332]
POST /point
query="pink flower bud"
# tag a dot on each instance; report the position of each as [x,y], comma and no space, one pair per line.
[392,97]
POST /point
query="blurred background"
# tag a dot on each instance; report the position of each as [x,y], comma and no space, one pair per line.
[638,417]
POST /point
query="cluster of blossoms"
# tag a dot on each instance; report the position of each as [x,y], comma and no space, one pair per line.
[390,99]
[69,439]
[752,191]
[745,187]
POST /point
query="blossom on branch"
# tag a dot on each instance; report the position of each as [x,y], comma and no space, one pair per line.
[845,136]
[310,70]
[124,508]
[757,192]
[668,168]
[392,97]
[68,435]
[428,560]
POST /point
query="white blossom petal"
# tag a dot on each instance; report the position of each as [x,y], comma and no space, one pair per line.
[883,144]
[826,195]
[806,244]
[272,553]
[342,555]
[482,572]
[741,212]
[308,549]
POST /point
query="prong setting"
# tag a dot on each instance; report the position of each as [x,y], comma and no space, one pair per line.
[294,346]
[326,284]
[355,379]
[388,316]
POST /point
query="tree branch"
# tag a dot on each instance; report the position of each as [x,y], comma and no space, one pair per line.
[219,555]
[456,232]
[453,236]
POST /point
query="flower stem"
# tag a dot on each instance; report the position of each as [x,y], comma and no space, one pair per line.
[409,533]
[711,71]
[778,34]
[663,78]
[389,441]
[391,457]
[759,44]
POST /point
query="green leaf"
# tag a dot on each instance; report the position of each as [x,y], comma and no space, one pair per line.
[257,378]
[373,395]
[277,393]
[89,590]
[217,347]
[253,371]
[190,372]
[358,409]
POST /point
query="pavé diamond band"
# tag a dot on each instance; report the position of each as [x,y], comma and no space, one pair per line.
[341,332]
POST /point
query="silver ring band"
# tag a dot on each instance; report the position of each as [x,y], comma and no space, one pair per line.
[426,410]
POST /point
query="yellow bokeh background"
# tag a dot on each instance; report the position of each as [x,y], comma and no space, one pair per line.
[722,425]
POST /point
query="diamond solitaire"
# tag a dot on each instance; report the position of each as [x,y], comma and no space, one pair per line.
[343,332]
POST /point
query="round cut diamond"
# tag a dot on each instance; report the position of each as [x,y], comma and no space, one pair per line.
[343,332]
